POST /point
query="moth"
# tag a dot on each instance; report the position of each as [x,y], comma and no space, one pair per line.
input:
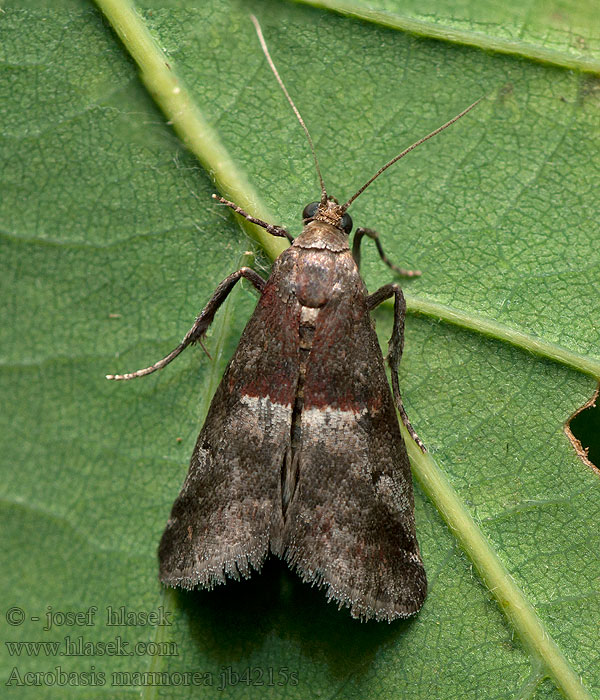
[301,453]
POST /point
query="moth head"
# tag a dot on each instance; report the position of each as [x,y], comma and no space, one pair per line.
[330,212]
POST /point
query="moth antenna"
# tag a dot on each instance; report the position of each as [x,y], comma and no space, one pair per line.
[408,150]
[263,45]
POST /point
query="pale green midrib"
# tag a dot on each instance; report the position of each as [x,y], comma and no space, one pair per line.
[158,75]
[479,40]
[180,110]
[513,602]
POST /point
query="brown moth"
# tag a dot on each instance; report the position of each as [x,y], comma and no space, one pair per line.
[301,453]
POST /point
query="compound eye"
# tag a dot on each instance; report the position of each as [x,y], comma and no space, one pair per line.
[310,210]
[346,223]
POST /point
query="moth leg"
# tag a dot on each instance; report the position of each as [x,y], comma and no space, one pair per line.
[396,346]
[202,322]
[370,233]
[273,230]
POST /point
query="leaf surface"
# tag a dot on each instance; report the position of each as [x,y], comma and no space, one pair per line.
[111,246]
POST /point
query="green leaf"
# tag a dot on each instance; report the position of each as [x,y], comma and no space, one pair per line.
[111,245]
[560,33]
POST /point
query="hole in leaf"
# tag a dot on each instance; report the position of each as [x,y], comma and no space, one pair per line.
[583,429]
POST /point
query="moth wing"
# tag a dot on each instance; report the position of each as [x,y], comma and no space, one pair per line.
[350,524]
[223,519]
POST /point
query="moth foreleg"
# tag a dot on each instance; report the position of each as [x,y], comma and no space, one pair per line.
[278,231]
[396,346]
[370,233]
[202,322]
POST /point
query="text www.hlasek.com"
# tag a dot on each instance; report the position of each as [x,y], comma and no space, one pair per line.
[78,646]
